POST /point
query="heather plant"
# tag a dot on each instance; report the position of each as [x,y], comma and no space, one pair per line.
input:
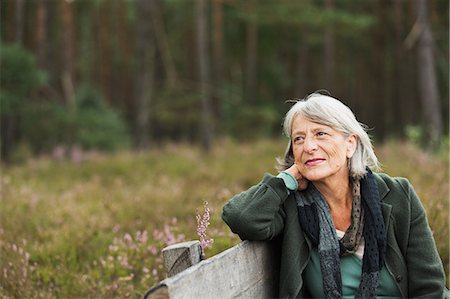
[15,269]
[135,259]
[202,226]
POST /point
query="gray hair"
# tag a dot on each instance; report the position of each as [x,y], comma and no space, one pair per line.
[328,111]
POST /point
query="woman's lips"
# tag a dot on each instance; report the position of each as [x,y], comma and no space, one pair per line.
[314,162]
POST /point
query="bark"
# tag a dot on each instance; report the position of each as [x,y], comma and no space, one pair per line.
[329,66]
[8,131]
[9,121]
[218,57]
[41,33]
[163,45]
[402,109]
[410,100]
[251,56]
[125,79]
[204,73]
[301,70]
[429,94]
[379,105]
[107,39]
[67,31]
[145,73]
[19,20]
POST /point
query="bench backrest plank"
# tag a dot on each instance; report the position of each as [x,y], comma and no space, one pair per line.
[247,270]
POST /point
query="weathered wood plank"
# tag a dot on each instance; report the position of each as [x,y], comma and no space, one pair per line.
[180,256]
[248,270]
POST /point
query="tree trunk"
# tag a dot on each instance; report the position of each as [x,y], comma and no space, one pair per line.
[218,57]
[67,31]
[329,52]
[410,100]
[397,75]
[251,56]
[145,73]
[301,69]
[204,73]
[429,94]
[41,33]
[19,21]
[163,44]
[379,108]
[9,121]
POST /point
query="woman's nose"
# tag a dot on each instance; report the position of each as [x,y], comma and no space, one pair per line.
[309,145]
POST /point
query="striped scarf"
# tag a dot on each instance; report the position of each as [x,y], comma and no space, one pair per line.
[366,220]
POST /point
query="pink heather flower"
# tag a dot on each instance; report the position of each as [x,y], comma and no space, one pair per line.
[124,262]
[158,235]
[142,237]
[113,248]
[153,250]
[116,228]
[169,237]
[202,225]
[128,237]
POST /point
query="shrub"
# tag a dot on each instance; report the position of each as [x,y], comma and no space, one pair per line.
[97,125]
[19,78]
[45,125]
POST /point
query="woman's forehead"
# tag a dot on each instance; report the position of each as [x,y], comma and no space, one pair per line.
[301,122]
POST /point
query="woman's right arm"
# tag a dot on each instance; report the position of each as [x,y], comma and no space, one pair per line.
[257,214]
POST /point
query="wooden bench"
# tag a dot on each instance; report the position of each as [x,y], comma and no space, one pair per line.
[247,270]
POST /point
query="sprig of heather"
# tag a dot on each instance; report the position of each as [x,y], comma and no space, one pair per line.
[202,225]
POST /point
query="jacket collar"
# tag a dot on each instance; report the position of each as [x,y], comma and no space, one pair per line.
[383,189]
[386,208]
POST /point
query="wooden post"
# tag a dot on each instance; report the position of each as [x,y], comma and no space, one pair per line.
[180,256]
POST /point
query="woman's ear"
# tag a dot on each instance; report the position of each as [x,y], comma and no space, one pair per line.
[352,142]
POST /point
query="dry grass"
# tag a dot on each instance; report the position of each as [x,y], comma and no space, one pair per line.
[95,229]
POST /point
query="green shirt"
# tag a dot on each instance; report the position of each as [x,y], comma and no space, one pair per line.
[351,267]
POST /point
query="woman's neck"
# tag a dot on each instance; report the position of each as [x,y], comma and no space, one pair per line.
[338,195]
[336,191]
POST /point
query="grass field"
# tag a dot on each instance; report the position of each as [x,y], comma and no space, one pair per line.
[95,229]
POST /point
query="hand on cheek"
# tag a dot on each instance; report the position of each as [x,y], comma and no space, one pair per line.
[295,172]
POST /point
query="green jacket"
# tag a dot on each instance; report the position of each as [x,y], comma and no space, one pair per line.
[268,210]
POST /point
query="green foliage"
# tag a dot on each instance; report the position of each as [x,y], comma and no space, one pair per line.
[97,125]
[19,78]
[414,134]
[91,124]
[45,125]
[252,122]
[305,13]
[175,115]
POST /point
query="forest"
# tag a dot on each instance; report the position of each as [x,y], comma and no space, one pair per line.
[134,74]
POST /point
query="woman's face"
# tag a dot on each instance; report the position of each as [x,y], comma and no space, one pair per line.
[320,151]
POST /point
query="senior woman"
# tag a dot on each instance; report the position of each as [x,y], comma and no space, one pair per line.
[344,231]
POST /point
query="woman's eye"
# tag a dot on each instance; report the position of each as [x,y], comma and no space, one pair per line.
[320,133]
